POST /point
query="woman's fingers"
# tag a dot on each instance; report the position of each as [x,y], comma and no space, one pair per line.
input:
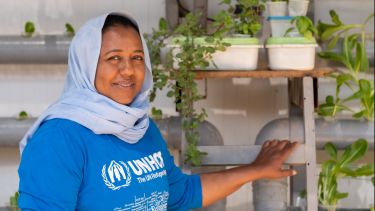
[288,149]
[282,144]
[288,172]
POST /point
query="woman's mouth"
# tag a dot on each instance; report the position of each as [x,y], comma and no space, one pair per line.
[125,84]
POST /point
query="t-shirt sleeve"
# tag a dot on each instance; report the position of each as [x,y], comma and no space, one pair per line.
[51,172]
[185,191]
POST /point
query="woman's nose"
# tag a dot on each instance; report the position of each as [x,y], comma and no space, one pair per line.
[126,67]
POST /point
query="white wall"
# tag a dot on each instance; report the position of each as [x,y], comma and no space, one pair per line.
[50,16]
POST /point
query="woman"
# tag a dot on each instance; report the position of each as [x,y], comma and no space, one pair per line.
[97,149]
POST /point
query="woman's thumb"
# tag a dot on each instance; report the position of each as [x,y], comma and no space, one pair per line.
[288,172]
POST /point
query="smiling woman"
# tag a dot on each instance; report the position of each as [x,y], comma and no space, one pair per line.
[121,68]
[97,149]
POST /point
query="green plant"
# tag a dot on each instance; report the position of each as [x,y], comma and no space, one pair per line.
[22,115]
[193,52]
[339,166]
[13,201]
[195,48]
[29,29]
[305,27]
[353,55]
[246,16]
[69,30]
[160,70]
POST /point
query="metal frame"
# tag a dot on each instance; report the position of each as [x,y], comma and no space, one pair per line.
[301,98]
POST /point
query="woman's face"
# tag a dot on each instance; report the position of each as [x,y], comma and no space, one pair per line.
[121,69]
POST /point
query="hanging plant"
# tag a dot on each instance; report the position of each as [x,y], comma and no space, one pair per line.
[160,70]
[195,49]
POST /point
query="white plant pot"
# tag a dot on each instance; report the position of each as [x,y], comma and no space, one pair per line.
[298,7]
[279,25]
[293,56]
[279,8]
[235,57]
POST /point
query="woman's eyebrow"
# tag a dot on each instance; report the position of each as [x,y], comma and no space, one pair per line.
[113,50]
[119,50]
[138,51]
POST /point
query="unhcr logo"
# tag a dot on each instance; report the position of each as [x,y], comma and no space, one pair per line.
[117,175]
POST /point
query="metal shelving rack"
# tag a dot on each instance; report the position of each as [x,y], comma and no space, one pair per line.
[301,100]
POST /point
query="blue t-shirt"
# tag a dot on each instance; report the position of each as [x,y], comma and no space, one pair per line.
[65,166]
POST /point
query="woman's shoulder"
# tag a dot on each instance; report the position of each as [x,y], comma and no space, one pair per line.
[60,129]
[59,124]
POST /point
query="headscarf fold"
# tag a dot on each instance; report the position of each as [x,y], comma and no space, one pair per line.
[80,101]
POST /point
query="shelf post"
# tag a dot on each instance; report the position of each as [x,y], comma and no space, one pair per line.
[310,146]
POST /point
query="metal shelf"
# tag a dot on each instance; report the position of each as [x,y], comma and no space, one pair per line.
[301,100]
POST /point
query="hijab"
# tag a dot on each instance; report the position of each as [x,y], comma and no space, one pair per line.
[80,101]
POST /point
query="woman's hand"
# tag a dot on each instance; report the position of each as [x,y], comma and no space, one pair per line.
[267,165]
[271,158]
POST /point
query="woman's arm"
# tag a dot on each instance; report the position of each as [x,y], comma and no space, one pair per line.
[268,164]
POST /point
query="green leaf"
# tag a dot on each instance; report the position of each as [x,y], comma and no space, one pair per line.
[364,59]
[330,100]
[156,113]
[333,42]
[365,170]
[354,152]
[332,56]
[288,31]
[347,171]
[330,31]
[369,18]
[341,195]
[365,86]
[225,2]
[69,29]
[356,95]
[331,150]
[347,51]
[163,24]
[359,115]
[302,24]
[322,27]
[326,110]
[29,28]
[23,115]
[335,17]
[343,78]
[170,93]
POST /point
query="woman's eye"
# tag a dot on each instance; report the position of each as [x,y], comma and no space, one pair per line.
[114,58]
[139,58]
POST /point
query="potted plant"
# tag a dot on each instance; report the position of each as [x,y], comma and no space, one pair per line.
[193,48]
[293,53]
[297,7]
[277,8]
[338,166]
[238,26]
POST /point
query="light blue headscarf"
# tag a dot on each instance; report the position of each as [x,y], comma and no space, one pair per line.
[80,101]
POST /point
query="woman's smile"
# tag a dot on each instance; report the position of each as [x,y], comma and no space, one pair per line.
[124,84]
